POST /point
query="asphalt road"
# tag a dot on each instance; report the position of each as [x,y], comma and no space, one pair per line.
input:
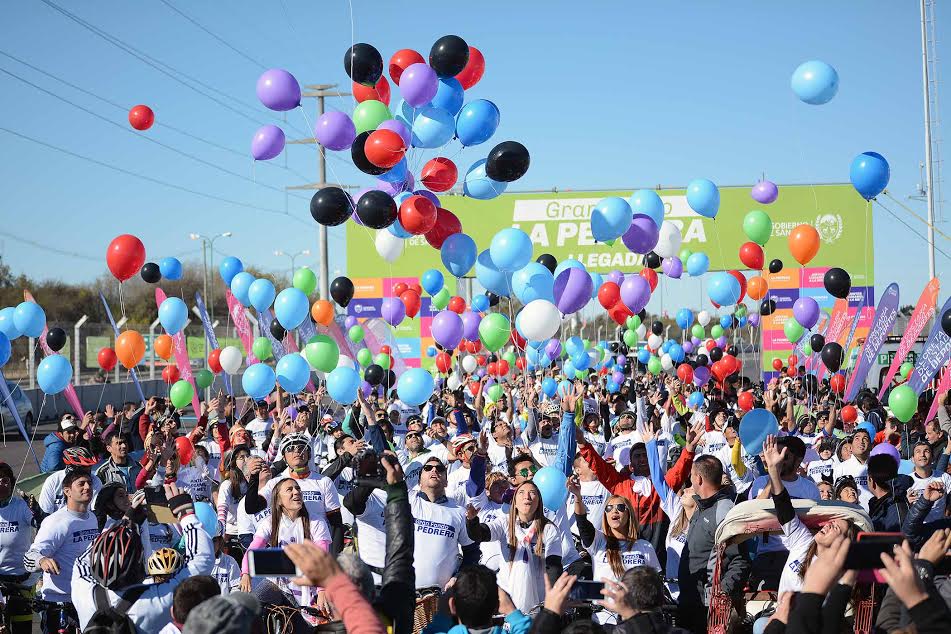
[14,450]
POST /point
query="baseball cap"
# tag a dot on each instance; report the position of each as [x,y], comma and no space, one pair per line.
[67,422]
[261,403]
[232,613]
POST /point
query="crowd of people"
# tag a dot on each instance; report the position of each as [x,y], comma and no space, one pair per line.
[405,518]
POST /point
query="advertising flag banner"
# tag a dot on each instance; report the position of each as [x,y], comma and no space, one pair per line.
[882,323]
[240,319]
[212,338]
[934,355]
[920,317]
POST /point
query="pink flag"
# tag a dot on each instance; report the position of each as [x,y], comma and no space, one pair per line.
[837,323]
[240,319]
[943,386]
[181,355]
[922,314]
[70,391]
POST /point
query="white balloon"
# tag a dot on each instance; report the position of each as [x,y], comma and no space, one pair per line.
[641,331]
[453,382]
[539,320]
[668,242]
[666,362]
[703,350]
[346,362]
[388,245]
[703,318]
[469,363]
[230,359]
[654,342]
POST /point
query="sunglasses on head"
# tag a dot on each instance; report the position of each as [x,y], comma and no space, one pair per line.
[468,449]
[620,508]
[434,467]
[532,470]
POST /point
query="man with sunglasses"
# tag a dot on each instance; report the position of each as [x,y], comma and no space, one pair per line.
[625,435]
[463,448]
[260,428]
[413,455]
[539,435]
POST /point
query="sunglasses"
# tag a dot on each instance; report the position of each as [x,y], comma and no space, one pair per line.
[527,472]
[468,449]
[620,508]
[434,467]
[413,435]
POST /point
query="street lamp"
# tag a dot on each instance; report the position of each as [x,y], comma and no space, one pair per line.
[293,257]
[210,241]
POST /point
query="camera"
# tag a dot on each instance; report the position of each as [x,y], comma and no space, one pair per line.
[368,471]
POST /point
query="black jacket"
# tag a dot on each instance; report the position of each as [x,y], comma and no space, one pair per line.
[914,526]
[888,512]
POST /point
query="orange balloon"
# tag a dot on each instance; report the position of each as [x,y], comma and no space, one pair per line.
[323,312]
[756,288]
[130,348]
[804,243]
[163,346]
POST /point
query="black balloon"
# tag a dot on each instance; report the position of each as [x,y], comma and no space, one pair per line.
[374,374]
[449,55]
[837,282]
[775,266]
[548,261]
[832,356]
[359,155]
[331,206]
[657,328]
[363,64]
[816,342]
[341,290]
[716,353]
[652,260]
[151,273]
[493,359]
[56,338]
[277,330]
[376,209]
[390,379]
[946,322]
[493,299]
[508,161]
[642,315]
[767,307]
[733,350]
[701,360]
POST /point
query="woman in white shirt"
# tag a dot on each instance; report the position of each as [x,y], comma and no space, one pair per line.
[615,546]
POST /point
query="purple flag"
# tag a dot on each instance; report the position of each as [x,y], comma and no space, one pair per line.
[933,355]
[885,315]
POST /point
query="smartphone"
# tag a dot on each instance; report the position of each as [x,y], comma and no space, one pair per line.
[865,553]
[271,562]
[587,590]
[157,506]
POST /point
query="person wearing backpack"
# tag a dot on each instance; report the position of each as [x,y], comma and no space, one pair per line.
[110,590]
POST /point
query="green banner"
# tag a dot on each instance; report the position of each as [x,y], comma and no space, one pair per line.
[559,224]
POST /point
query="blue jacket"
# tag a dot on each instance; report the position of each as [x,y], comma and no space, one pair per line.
[53,458]
[517,623]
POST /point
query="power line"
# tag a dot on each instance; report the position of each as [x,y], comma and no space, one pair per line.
[46,247]
[217,37]
[909,227]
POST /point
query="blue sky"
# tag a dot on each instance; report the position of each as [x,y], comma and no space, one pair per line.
[616,95]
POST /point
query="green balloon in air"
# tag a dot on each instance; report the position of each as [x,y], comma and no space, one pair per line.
[903,402]
[382,360]
[697,331]
[633,322]
[716,331]
[757,226]
[495,393]
[906,369]
[654,365]
[793,330]
[355,334]
[305,280]
[441,299]
[494,331]
[181,393]
[261,348]
[203,379]
[369,114]
[364,357]
[322,353]
[630,338]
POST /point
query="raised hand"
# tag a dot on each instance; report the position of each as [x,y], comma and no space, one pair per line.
[772,455]
[902,576]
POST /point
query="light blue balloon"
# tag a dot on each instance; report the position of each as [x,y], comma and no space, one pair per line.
[342,384]
[397,230]
[553,485]
[171,268]
[703,197]
[698,264]
[684,318]
[815,82]
[415,386]
[643,355]
[172,314]
[676,352]
[458,254]
[479,186]
[228,268]
[477,122]
[544,360]
[565,387]
[646,202]
[695,399]
[574,346]
[610,218]
[261,294]
[407,113]
[755,426]
[7,325]
[30,319]
[433,128]
[596,282]
[291,308]
[432,281]
[240,285]
[293,372]
[396,174]
[723,288]
[208,517]
[664,347]
[431,351]
[490,277]
[570,263]
[613,387]
[726,321]
[906,467]
[549,386]
[5,349]
[510,249]
[449,95]
[54,373]
[480,302]
[533,281]
[581,361]
[258,380]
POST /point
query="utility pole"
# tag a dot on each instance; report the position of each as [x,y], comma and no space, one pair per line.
[320,92]
[929,177]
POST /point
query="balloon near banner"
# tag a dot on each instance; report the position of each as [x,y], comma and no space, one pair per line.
[755,426]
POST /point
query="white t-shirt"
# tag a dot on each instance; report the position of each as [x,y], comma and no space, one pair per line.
[440,530]
[319,493]
[228,506]
[371,531]
[292,532]
[521,573]
[456,483]
[52,497]
[594,495]
[818,468]
[616,446]
[16,535]
[797,538]
[155,536]
[246,522]
[569,554]
[344,484]
[259,431]
[227,573]
[490,511]
[636,553]
[63,536]
[545,450]
[859,471]
[405,412]
[920,484]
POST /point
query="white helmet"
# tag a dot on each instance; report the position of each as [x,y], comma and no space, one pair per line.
[293,440]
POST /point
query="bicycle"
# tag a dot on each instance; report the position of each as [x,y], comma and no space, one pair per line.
[61,613]
[15,600]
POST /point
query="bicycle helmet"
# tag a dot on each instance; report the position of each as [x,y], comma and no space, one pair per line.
[164,561]
[7,470]
[78,457]
[116,555]
[293,440]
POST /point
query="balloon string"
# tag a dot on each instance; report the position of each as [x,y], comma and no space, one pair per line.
[36,426]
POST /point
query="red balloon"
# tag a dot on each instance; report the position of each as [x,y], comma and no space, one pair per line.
[791,372]
[185,449]
[384,148]
[516,339]
[792,361]
[745,401]
[718,370]
[619,313]
[380,92]
[411,300]
[751,255]
[481,360]
[475,67]
[837,383]
[473,346]
[609,295]
[214,364]
[417,215]
[401,60]
[848,414]
[710,344]
[474,387]
[742,280]
[125,256]
[398,289]
[777,364]
[416,287]
[492,369]
[171,374]
[439,174]
[107,359]
[385,349]
[503,367]
[446,224]
[651,276]
[520,364]
[457,305]
[731,363]
[443,362]
[141,117]
[685,372]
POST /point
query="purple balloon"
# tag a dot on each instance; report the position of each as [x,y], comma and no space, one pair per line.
[480,372]
[278,90]
[418,84]
[701,375]
[615,276]
[888,449]
[393,311]
[636,291]
[447,328]
[267,143]
[366,388]
[617,377]
[642,235]
[721,341]
[673,267]
[695,341]
[393,189]
[553,348]
[400,128]
[621,360]
[754,319]
[572,290]
[350,322]
[687,346]
[335,130]
[765,192]
[470,325]
[806,312]
[425,193]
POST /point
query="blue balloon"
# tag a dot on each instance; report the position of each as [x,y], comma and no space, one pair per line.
[544,360]
[397,229]
[228,268]
[610,218]
[415,386]
[815,82]
[258,380]
[869,174]
[342,384]
[664,347]
[684,318]
[703,197]
[477,122]
[458,254]
[570,263]
[7,325]
[396,174]
[647,203]
[906,467]
[723,288]
[568,367]
[208,517]
[261,294]
[240,285]
[868,427]
[742,321]
[479,302]
[5,349]
[574,346]
[533,281]
[171,268]
[695,399]
[29,318]
[549,386]
[293,372]
[565,387]
[54,373]
[698,264]
[755,426]
[581,361]
[291,308]
[643,355]
[449,95]
[173,313]
[726,320]
[432,281]
[490,277]
[407,113]
[479,186]
[510,249]
[431,351]
[553,485]
[433,128]
[676,352]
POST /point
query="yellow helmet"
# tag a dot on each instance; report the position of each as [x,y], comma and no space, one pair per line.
[164,561]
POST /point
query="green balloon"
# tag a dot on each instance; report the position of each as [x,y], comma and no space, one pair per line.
[587,344]
[355,334]
[906,369]
[630,338]
[495,393]
[697,331]
[494,331]
[382,360]
[741,310]
[654,366]
[808,347]
[369,114]
[716,331]
[204,378]
[581,374]
[633,322]
[510,358]
[685,254]
[793,330]
[261,348]
[903,402]
[322,353]
[441,299]
[181,393]
[757,226]
[305,280]
[364,357]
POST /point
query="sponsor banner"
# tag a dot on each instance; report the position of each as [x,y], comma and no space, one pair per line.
[787,278]
[367,286]
[924,311]
[943,386]
[882,323]
[211,337]
[365,308]
[239,317]
[935,354]
[813,278]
